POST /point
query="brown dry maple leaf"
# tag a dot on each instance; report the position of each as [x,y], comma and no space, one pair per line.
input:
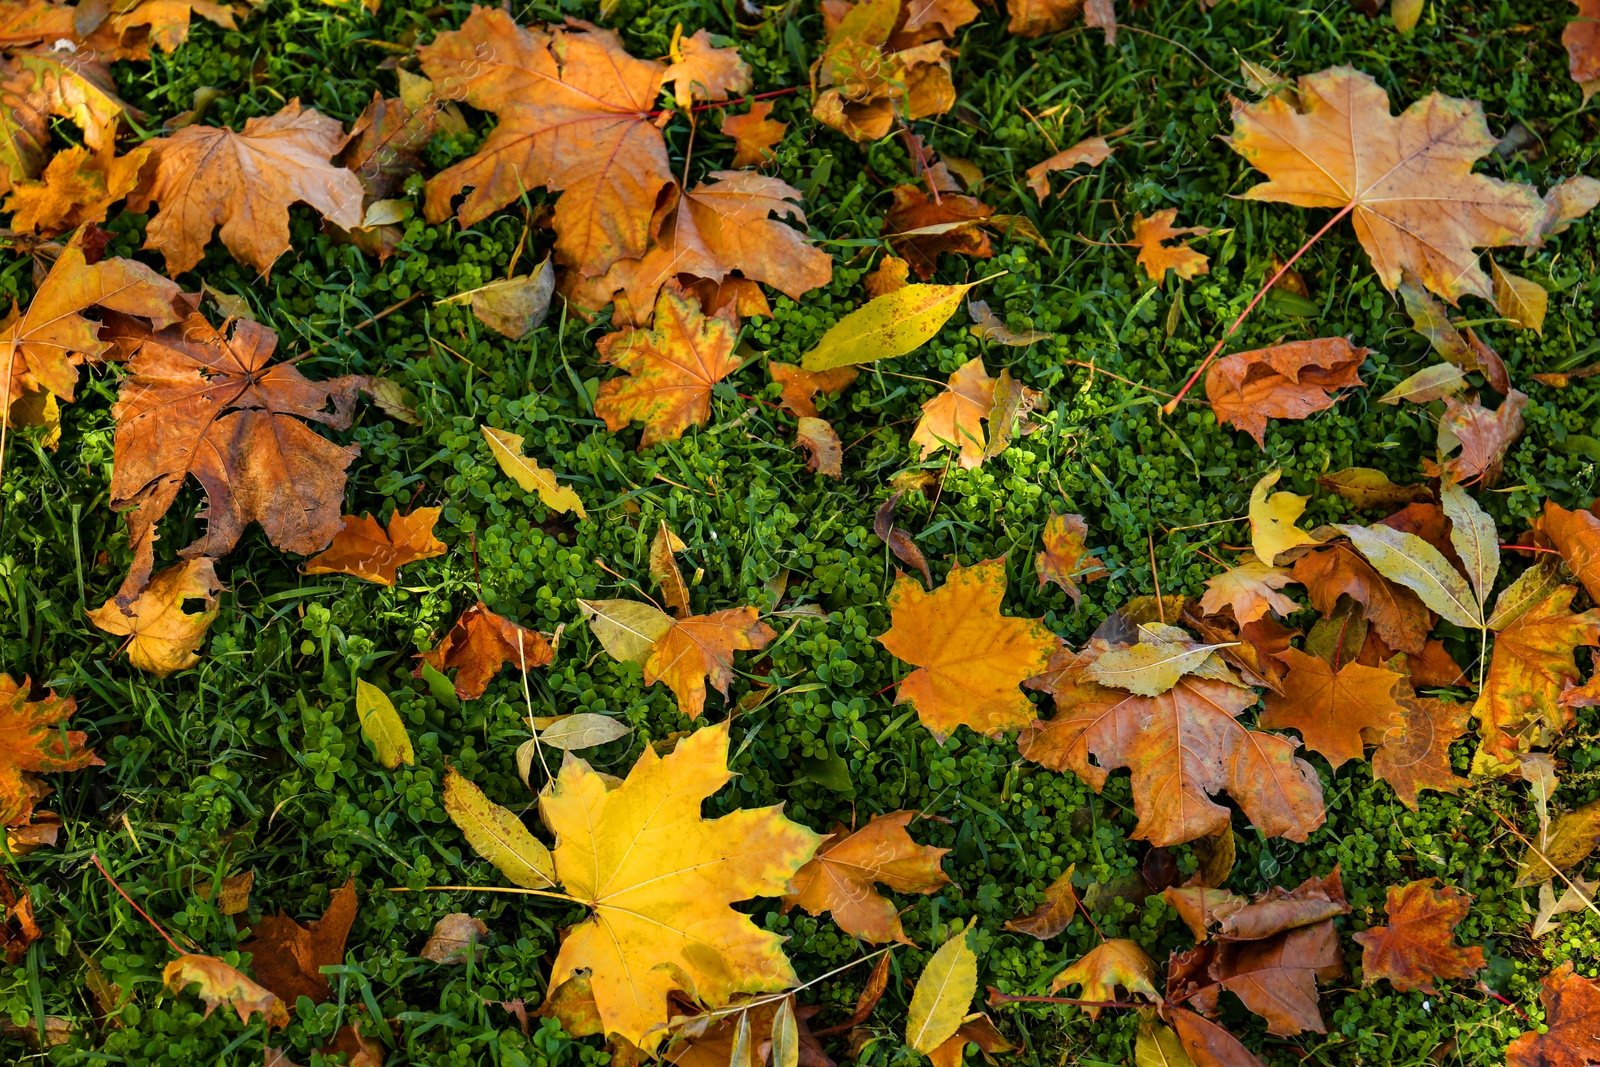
[33,743]
[1334,711]
[970,658]
[800,386]
[1108,966]
[919,230]
[198,403]
[1286,381]
[288,956]
[754,133]
[78,187]
[1275,977]
[1181,747]
[479,644]
[1416,946]
[1054,911]
[1483,437]
[1249,590]
[1571,1036]
[670,369]
[1233,918]
[1419,756]
[700,648]
[951,419]
[842,876]
[131,28]
[1066,559]
[824,449]
[385,144]
[1415,202]
[1150,236]
[163,631]
[203,177]
[365,550]
[575,116]
[1394,611]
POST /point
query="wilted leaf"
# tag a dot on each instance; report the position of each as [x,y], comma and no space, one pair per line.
[1419,756]
[952,418]
[1287,381]
[1368,488]
[1112,964]
[1571,1031]
[1417,946]
[1066,559]
[664,569]
[1053,913]
[843,876]
[452,938]
[221,984]
[507,450]
[1272,520]
[512,307]
[18,928]
[670,370]
[1415,200]
[1091,150]
[919,230]
[288,956]
[1207,1044]
[801,386]
[943,994]
[754,133]
[496,834]
[381,725]
[820,441]
[1431,319]
[386,143]
[1151,235]
[699,649]
[971,659]
[1400,618]
[1572,839]
[1249,590]
[364,550]
[987,326]
[162,635]
[1483,436]
[479,644]
[625,628]
[899,541]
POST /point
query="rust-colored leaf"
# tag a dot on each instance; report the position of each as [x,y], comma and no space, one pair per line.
[970,658]
[479,644]
[204,177]
[1092,151]
[1333,711]
[1286,381]
[826,451]
[133,28]
[1576,535]
[699,649]
[1398,614]
[1276,976]
[1482,436]
[1571,1035]
[1207,1044]
[952,418]
[920,230]
[288,956]
[754,133]
[891,274]
[1113,964]
[670,369]
[1581,38]
[1417,946]
[33,743]
[198,403]
[385,144]
[1066,559]
[364,550]
[1054,912]
[842,877]
[1270,913]
[18,929]
[664,548]
[221,984]
[800,386]
[869,73]
[1150,236]
[899,541]
[1419,756]
[1249,590]
[162,634]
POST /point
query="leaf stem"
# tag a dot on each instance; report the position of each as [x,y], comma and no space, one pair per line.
[492,889]
[94,857]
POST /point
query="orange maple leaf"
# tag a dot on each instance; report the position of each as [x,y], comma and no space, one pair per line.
[1576,535]
[1110,965]
[221,984]
[971,659]
[952,418]
[479,644]
[1408,182]
[701,71]
[32,743]
[79,186]
[134,27]
[1571,1034]
[365,550]
[1333,711]
[1418,757]
[204,177]
[574,111]
[754,133]
[1287,381]
[288,956]
[1091,151]
[1066,559]
[842,876]
[1155,255]
[1483,436]
[1416,946]
[670,369]
[700,648]
[1581,37]
[800,387]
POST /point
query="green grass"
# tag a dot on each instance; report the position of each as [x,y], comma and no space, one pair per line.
[254,760]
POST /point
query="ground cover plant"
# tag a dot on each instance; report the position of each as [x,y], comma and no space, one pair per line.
[560,534]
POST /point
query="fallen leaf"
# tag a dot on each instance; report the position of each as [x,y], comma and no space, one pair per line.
[586,729]
[976,1029]
[1483,436]
[365,550]
[1092,151]
[1430,318]
[453,939]
[699,649]
[1400,618]
[742,294]
[1570,1035]
[1334,711]
[1151,235]
[512,307]
[506,448]
[1417,946]
[1286,381]
[1415,202]
[826,451]
[1053,913]
[661,909]
[35,743]
[1576,535]
[1155,1046]
[943,994]
[702,1045]
[1035,18]
[1570,200]
[1249,590]
[1368,488]
[1581,38]
[390,396]
[1427,385]
[951,419]
[890,274]
[842,877]
[987,326]
[496,834]
[1419,756]
[868,75]
[800,387]
[587,132]
[234,895]
[1270,913]
[221,984]
[1008,415]
[893,324]
[1573,836]
[198,403]
[479,644]
[702,72]
[162,635]
[288,956]
[625,628]
[1155,664]
[754,134]
[1206,1043]
[203,177]
[1275,977]
[18,928]
[1412,562]
[1519,299]
[1579,896]
[1110,965]
[970,658]
[382,726]
[1180,746]
[664,569]
[1066,559]
[78,187]
[919,230]
[670,370]
[1272,520]
[358,1050]
[385,145]
[899,541]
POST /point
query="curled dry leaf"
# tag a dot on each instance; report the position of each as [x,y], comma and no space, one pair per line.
[1008,416]
[664,569]
[1275,977]
[1054,912]
[365,550]
[826,451]
[35,743]
[869,73]
[479,644]
[987,326]
[1427,385]
[670,369]
[1417,946]
[221,984]
[1092,151]
[970,658]
[842,877]
[1286,381]
[754,134]
[951,419]
[288,956]
[892,324]
[162,634]
[1570,199]
[526,472]
[1151,235]
[454,938]
[920,230]
[496,834]
[1066,559]
[1249,590]
[800,387]
[699,649]
[18,928]
[386,143]
[1111,965]
[1368,488]
[899,541]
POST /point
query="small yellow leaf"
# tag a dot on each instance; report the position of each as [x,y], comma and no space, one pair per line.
[381,725]
[507,449]
[1272,520]
[1158,1046]
[943,994]
[162,636]
[1520,299]
[886,326]
[626,628]
[498,835]
[1406,13]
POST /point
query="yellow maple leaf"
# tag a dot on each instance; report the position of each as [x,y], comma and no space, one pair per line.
[952,419]
[162,636]
[660,881]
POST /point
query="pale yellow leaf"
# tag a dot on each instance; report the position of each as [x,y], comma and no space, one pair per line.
[1272,520]
[381,726]
[626,628]
[943,994]
[497,834]
[507,450]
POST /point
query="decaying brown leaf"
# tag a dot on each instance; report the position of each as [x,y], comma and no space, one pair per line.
[1092,151]
[1287,381]
[920,230]
[479,644]
[1053,913]
[288,956]
[826,451]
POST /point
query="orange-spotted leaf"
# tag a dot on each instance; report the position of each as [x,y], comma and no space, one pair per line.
[703,72]
[221,984]
[288,956]
[1151,235]
[670,369]
[1417,946]
[842,878]
[1113,964]
[754,133]
[364,550]
[1066,559]
[971,659]
[479,644]
[163,633]
[1335,710]
[953,418]
[801,386]
[1570,1036]
[1249,590]
[1287,381]
[33,743]
[699,649]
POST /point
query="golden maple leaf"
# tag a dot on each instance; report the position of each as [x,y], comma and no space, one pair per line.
[660,881]
[701,71]
[1408,182]
[220,983]
[843,875]
[952,418]
[32,742]
[670,369]
[78,186]
[1249,590]
[1155,255]
[365,550]
[1334,711]
[700,648]
[162,635]
[574,112]
[208,176]
[754,133]
[970,658]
